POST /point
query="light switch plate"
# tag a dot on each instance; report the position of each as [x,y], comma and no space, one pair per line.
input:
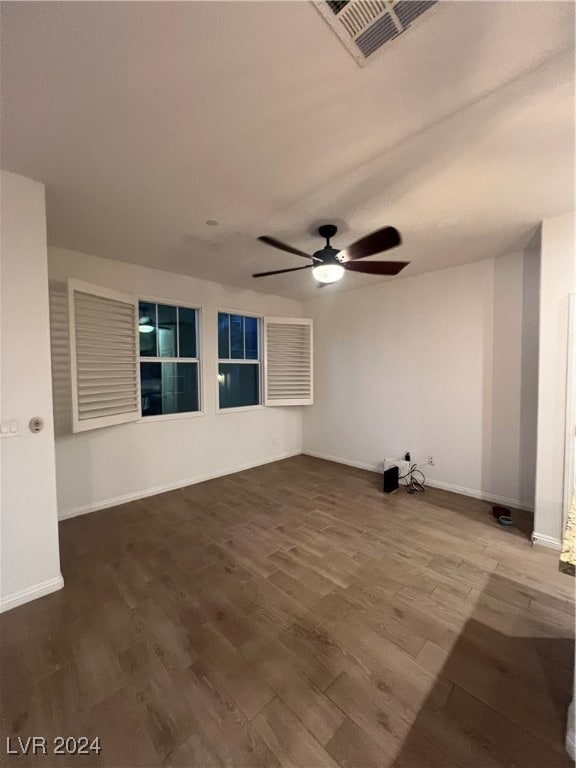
[9,429]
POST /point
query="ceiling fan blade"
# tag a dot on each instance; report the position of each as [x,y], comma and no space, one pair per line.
[283,246]
[376,267]
[281,271]
[381,240]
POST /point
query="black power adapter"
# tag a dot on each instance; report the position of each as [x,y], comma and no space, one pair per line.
[390,480]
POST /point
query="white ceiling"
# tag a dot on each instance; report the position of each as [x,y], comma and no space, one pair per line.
[146,119]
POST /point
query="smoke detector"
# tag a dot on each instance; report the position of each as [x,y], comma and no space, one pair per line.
[365,26]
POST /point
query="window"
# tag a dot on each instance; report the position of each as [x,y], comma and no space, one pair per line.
[131,359]
[238,361]
[169,364]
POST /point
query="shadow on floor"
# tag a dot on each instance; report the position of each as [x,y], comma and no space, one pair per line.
[511,689]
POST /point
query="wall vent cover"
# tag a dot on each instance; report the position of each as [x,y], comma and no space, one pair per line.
[365,26]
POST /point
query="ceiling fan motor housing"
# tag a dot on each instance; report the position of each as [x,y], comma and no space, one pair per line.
[328,255]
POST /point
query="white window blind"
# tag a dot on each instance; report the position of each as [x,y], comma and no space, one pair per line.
[288,361]
[104,356]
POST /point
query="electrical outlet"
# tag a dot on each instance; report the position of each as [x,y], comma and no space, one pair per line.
[431,460]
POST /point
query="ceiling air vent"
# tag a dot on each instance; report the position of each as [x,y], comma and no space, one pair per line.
[364,26]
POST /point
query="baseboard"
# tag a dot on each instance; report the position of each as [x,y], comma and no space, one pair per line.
[546,541]
[31,593]
[491,497]
[571,732]
[571,745]
[136,495]
[379,467]
[473,493]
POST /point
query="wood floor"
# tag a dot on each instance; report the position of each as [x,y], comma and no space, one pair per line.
[294,615]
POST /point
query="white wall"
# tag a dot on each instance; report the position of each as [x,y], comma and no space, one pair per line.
[434,365]
[558,280]
[529,366]
[107,466]
[29,548]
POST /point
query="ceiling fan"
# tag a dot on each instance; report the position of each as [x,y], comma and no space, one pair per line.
[329,264]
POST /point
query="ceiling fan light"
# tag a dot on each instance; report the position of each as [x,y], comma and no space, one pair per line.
[328,273]
[146,328]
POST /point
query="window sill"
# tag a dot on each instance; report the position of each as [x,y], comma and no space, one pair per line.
[170,417]
[222,411]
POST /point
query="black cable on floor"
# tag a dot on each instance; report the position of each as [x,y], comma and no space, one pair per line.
[413,484]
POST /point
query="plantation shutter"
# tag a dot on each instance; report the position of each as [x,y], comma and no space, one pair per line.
[288,361]
[60,348]
[104,356]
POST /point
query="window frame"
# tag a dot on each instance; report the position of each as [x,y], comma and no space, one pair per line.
[198,360]
[259,362]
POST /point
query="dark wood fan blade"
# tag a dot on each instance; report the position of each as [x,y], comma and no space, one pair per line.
[381,240]
[283,246]
[281,271]
[376,267]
